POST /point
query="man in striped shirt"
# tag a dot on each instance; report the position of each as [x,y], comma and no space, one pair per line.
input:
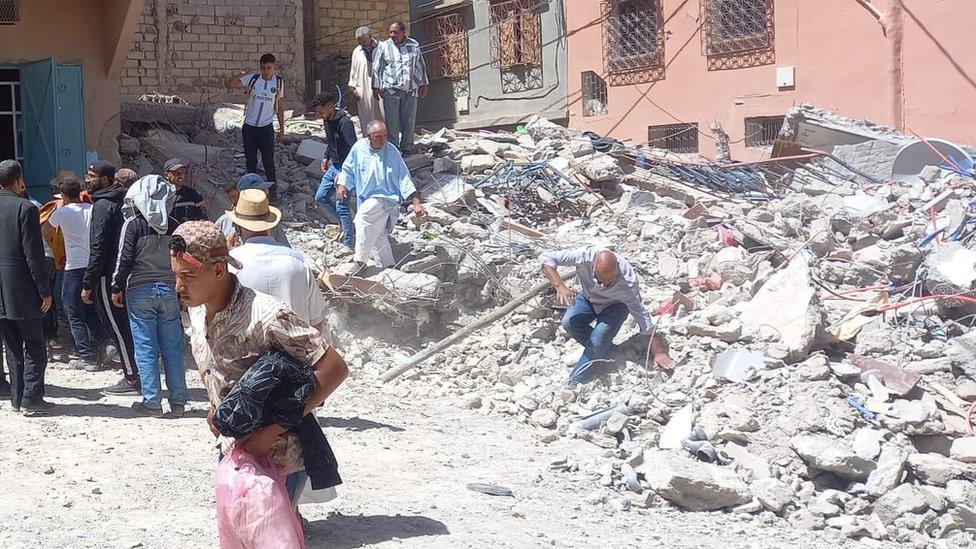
[399,78]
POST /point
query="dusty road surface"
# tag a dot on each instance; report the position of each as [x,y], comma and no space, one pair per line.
[93,474]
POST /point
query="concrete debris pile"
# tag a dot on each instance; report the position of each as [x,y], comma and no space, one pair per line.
[820,314]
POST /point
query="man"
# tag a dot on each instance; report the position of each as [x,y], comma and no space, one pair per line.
[125,178]
[376,173]
[144,281]
[361,78]
[399,77]
[74,220]
[265,90]
[610,291]
[232,326]
[189,204]
[248,181]
[106,227]
[24,293]
[341,135]
[51,264]
[270,268]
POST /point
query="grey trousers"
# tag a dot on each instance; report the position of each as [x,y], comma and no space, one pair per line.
[400,108]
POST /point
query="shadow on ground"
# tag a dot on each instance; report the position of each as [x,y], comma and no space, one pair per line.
[356,424]
[349,531]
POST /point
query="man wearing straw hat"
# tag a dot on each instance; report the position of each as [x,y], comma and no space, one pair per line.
[269,267]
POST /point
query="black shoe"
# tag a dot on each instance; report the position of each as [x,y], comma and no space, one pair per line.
[4,390]
[141,408]
[36,408]
[176,410]
[123,388]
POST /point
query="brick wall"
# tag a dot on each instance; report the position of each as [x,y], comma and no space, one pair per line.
[337,20]
[190,47]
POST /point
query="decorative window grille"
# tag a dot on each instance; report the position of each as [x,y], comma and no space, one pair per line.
[448,55]
[761,131]
[633,35]
[594,94]
[679,138]
[736,26]
[9,12]
[516,34]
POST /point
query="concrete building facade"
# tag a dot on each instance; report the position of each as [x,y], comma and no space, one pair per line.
[60,64]
[664,70]
[491,63]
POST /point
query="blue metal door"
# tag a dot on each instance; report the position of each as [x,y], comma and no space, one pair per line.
[71,120]
[38,92]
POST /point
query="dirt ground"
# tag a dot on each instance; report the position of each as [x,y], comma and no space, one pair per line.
[93,474]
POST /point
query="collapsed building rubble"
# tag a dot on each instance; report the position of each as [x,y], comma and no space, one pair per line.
[820,312]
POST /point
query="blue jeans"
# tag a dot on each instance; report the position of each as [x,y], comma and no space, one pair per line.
[154,314]
[85,328]
[597,340]
[295,485]
[400,108]
[326,197]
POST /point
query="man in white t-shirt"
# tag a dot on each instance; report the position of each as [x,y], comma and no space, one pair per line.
[74,220]
[265,90]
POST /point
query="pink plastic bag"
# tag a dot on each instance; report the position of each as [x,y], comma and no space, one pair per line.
[253,510]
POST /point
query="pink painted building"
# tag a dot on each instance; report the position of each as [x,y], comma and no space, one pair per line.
[664,70]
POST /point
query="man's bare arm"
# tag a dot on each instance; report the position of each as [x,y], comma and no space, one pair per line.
[234,83]
[564,294]
[330,372]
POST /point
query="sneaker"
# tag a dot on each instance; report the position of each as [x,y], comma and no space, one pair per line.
[177,410]
[4,390]
[111,354]
[36,408]
[123,388]
[141,408]
[82,364]
[344,251]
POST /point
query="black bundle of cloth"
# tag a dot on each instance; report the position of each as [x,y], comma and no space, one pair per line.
[274,390]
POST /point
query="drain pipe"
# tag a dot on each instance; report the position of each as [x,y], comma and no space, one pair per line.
[893,27]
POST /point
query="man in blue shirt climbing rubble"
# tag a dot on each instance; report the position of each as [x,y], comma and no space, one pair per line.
[610,291]
[375,173]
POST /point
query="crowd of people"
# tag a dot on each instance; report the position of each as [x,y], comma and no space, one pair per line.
[140,266]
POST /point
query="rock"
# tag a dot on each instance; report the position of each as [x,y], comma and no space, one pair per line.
[668,266]
[729,332]
[963,449]
[899,261]
[962,353]
[470,402]
[815,368]
[874,342]
[716,314]
[311,149]
[478,163]
[772,493]
[905,498]
[49,470]
[821,507]
[601,167]
[409,285]
[867,443]
[805,520]
[633,199]
[871,527]
[314,169]
[827,454]
[935,469]
[693,485]
[913,412]
[631,479]
[445,164]
[890,470]
[788,301]
[544,418]
[617,422]
[748,463]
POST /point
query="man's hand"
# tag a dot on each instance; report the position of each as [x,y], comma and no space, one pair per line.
[117,298]
[355,93]
[663,361]
[46,304]
[259,442]
[341,193]
[419,211]
[280,135]
[210,422]
[86,296]
[422,90]
[565,295]
[376,94]
[325,165]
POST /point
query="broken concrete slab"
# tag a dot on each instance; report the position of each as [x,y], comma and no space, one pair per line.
[772,493]
[478,163]
[935,469]
[693,485]
[963,449]
[409,285]
[905,498]
[823,453]
[191,153]
[311,149]
[787,302]
[600,167]
[890,470]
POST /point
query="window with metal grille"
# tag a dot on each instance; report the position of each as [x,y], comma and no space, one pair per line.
[633,36]
[9,12]
[516,34]
[448,43]
[736,26]
[594,94]
[679,138]
[761,131]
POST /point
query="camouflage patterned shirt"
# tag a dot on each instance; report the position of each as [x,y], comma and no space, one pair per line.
[238,336]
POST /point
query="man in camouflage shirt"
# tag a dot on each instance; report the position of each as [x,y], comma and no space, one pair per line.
[231,327]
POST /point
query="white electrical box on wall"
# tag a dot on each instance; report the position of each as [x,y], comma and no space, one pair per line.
[785,77]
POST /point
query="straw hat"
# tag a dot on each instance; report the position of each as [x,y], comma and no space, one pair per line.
[253,211]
